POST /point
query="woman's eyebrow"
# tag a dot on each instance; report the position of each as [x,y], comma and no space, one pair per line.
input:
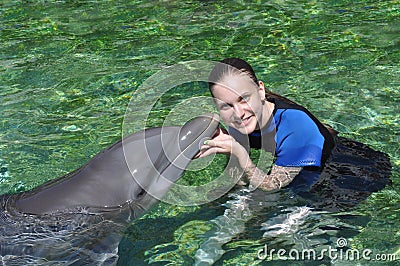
[219,102]
[241,96]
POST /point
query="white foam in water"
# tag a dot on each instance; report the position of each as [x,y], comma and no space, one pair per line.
[286,223]
[232,223]
[4,176]
[227,226]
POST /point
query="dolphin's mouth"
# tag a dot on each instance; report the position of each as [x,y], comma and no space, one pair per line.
[218,131]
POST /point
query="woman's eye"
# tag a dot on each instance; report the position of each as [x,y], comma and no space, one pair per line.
[244,98]
[224,106]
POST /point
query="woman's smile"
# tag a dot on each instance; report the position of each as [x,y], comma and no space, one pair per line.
[243,122]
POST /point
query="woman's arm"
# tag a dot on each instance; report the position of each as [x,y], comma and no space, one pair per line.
[280,176]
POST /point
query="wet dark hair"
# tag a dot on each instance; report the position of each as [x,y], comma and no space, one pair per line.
[228,64]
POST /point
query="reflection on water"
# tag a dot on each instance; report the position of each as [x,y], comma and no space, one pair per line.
[248,222]
[68,69]
[226,227]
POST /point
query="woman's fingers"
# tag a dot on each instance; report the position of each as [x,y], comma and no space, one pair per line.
[216,146]
[222,143]
[211,150]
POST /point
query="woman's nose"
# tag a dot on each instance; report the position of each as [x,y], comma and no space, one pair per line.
[239,112]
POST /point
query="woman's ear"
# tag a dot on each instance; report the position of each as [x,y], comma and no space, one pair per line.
[261,90]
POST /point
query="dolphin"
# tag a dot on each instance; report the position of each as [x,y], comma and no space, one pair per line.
[80,218]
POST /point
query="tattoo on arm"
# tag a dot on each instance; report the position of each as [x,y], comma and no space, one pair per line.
[280,176]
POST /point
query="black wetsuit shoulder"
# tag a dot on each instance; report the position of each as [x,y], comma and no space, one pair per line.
[329,142]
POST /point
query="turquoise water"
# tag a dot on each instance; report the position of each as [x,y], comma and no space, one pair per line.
[68,70]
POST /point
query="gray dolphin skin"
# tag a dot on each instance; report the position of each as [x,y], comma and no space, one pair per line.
[80,218]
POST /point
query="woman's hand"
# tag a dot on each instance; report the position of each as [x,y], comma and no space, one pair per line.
[225,144]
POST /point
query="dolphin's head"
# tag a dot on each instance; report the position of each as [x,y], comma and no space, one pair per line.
[170,150]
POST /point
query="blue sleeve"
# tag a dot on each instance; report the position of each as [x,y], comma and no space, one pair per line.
[298,140]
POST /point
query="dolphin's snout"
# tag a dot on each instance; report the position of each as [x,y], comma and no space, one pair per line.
[193,134]
[218,131]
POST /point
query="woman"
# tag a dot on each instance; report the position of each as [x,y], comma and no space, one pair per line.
[255,116]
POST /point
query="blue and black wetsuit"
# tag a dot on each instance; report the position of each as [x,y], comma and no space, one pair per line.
[337,172]
[296,137]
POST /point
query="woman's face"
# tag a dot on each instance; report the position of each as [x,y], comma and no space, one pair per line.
[240,102]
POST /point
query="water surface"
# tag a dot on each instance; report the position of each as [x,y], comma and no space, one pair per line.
[69,69]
